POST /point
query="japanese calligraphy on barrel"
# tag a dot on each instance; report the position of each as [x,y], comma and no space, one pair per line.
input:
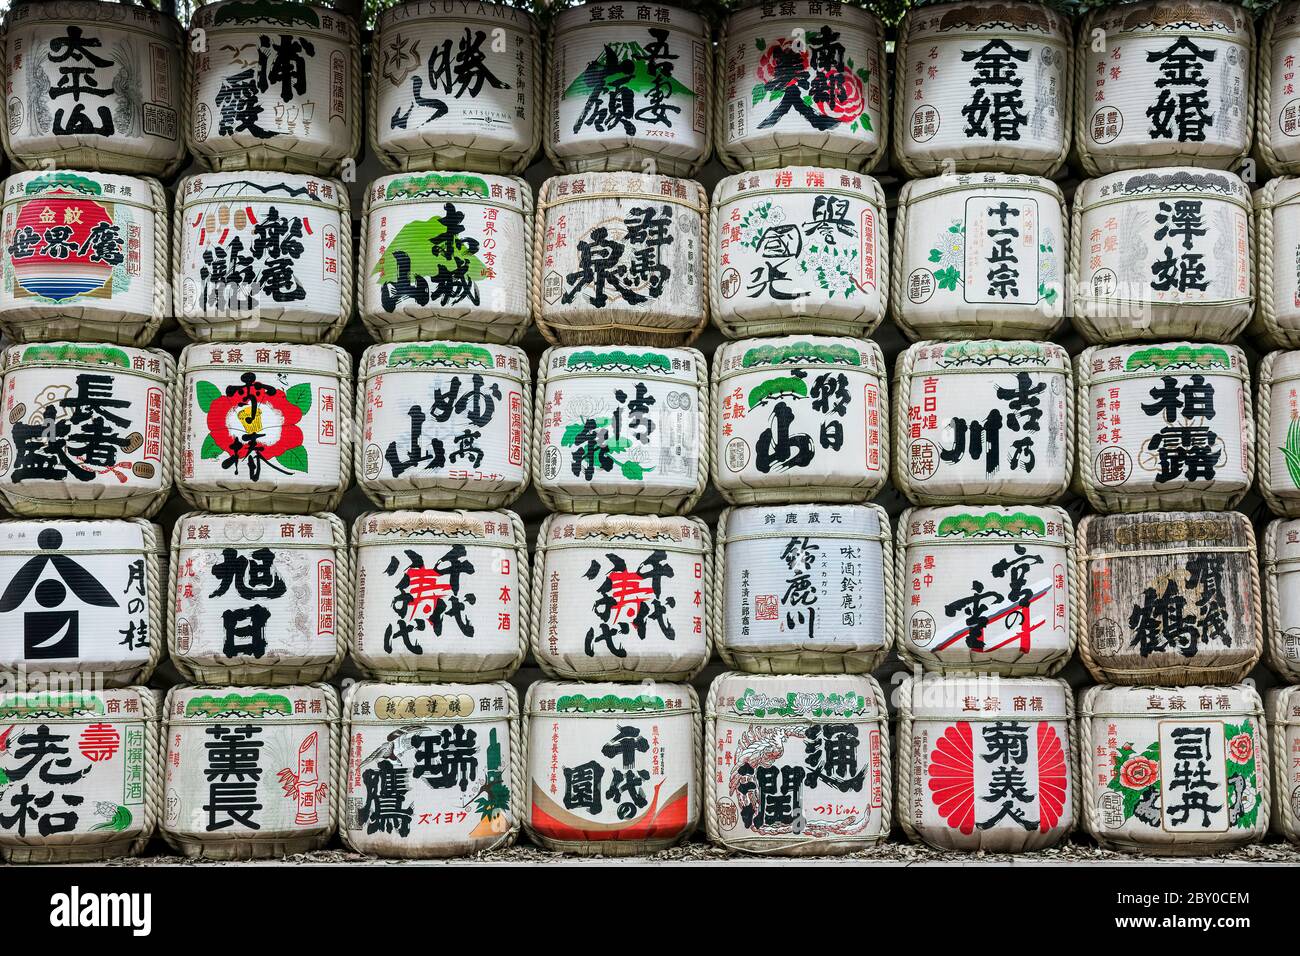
[1283,706]
[1278,106]
[1277,279]
[1280,560]
[1278,407]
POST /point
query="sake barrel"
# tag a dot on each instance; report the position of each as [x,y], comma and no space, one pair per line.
[612,772]
[1280,558]
[800,418]
[1162,254]
[1283,706]
[81,602]
[441,595]
[275,85]
[982,87]
[251,771]
[982,254]
[798,249]
[983,422]
[263,255]
[86,430]
[989,589]
[1278,111]
[1278,406]
[989,763]
[121,69]
[622,597]
[259,599]
[1173,598]
[86,258]
[804,589]
[434,770]
[1170,83]
[1276,320]
[621,259]
[628,87]
[797,766]
[800,83]
[621,429]
[455,86]
[1174,770]
[445,255]
[443,425]
[267,426]
[83,774]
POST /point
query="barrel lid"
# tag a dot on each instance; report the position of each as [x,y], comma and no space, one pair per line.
[798,351]
[604,530]
[266,356]
[1232,700]
[1136,184]
[416,12]
[915,190]
[1197,17]
[967,525]
[747,12]
[1286,368]
[681,365]
[785,180]
[1115,362]
[496,361]
[201,531]
[103,14]
[122,705]
[749,522]
[1284,706]
[249,186]
[620,186]
[90,186]
[987,697]
[937,358]
[790,698]
[77,536]
[505,192]
[304,19]
[396,528]
[1003,17]
[1132,535]
[154,364]
[556,699]
[672,16]
[306,703]
[395,704]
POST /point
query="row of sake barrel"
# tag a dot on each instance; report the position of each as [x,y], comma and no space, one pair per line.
[779,765]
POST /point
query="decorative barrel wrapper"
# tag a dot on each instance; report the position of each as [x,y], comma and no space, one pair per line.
[1280,560]
[1276,322]
[989,763]
[1284,740]
[1278,406]
[618,429]
[804,589]
[1173,598]
[445,255]
[613,768]
[622,597]
[1162,254]
[980,254]
[267,427]
[277,85]
[84,258]
[441,595]
[628,87]
[797,766]
[800,418]
[983,421]
[259,599]
[86,430]
[621,259]
[1278,112]
[83,770]
[1174,771]
[443,425]
[982,86]
[263,255]
[1173,82]
[989,590]
[800,83]
[434,770]
[799,249]
[93,85]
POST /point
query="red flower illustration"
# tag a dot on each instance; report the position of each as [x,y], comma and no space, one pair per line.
[1138,773]
[847,96]
[767,63]
[1241,748]
[254,422]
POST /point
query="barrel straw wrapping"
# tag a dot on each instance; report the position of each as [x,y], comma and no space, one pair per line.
[1162,254]
[1173,598]
[1173,83]
[982,86]
[433,770]
[445,255]
[825,737]
[980,254]
[622,597]
[799,249]
[87,259]
[130,120]
[587,741]
[263,256]
[1277,242]
[99,799]
[307,119]
[1005,408]
[988,764]
[991,589]
[1278,406]
[800,418]
[621,430]
[800,83]
[1174,771]
[1277,112]
[1283,705]
[489,120]
[267,427]
[804,589]
[621,259]
[259,599]
[87,430]
[628,87]
[1280,559]
[441,595]
[1164,426]
[443,425]
[252,772]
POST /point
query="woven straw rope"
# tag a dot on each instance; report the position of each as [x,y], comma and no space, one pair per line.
[1274,645]
[1284,819]
[1263,98]
[1288,506]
